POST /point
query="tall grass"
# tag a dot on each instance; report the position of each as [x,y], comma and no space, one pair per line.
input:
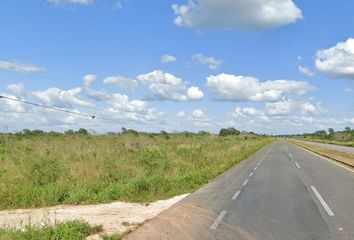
[45,170]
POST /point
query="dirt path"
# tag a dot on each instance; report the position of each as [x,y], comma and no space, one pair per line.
[117,217]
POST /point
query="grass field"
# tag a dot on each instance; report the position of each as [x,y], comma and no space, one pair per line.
[328,141]
[48,169]
[73,230]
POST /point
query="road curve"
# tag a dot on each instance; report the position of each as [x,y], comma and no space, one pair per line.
[281,192]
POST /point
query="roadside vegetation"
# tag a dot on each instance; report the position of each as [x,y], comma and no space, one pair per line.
[344,138]
[40,169]
[73,230]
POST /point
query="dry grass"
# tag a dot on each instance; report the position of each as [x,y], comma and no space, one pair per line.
[47,169]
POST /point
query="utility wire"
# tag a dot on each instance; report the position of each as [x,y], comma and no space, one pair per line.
[51,108]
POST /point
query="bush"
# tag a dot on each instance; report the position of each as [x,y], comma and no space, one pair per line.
[229,131]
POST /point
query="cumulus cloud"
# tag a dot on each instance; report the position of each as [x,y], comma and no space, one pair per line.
[236,14]
[211,62]
[18,89]
[228,87]
[55,97]
[121,82]
[19,67]
[181,114]
[165,86]
[337,61]
[81,2]
[348,90]
[306,71]
[88,79]
[168,58]
[249,114]
[288,107]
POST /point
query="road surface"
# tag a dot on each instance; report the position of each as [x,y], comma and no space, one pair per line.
[338,148]
[282,192]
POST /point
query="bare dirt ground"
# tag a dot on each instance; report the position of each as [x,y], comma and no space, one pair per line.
[116,217]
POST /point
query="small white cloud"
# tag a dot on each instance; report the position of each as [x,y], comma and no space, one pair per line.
[337,61]
[121,82]
[348,90]
[88,79]
[81,2]
[181,114]
[165,86]
[228,87]
[306,71]
[20,67]
[211,62]
[55,97]
[18,89]
[193,93]
[168,58]
[236,14]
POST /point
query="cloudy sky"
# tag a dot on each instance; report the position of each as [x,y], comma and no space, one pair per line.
[269,66]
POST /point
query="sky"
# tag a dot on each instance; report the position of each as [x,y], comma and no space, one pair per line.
[268,66]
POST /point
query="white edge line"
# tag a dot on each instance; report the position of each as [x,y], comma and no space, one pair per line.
[255,168]
[324,204]
[245,182]
[236,195]
[297,165]
[218,220]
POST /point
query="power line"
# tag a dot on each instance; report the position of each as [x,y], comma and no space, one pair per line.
[47,107]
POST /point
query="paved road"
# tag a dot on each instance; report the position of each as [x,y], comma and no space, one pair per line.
[330,146]
[281,192]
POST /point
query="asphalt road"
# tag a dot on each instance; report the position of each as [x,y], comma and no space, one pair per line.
[282,192]
[330,146]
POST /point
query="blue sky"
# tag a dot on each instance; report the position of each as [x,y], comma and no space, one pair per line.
[267,66]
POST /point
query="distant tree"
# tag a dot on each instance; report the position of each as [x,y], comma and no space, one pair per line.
[320,133]
[347,129]
[203,133]
[165,134]
[69,132]
[82,131]
[26,131]
[229,131]
[331,133]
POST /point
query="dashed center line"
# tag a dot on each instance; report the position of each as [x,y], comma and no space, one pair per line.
[258,164]
[218,220]
[245,182]
[255,168]
[236,195]
[251,174]
[297,165]
[322,201]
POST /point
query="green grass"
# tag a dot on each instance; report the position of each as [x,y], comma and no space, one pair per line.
[328,141]
[73,230]
[46,170]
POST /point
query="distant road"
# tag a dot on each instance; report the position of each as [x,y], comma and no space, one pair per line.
[330,146]
[280,193]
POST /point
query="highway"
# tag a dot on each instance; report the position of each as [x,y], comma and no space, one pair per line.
[281,192]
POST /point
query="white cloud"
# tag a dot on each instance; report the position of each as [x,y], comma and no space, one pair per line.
[19,67]
[94,94]
[122,109]
[236,14]
[194,93]
[121,82]
[211,62]
[285,108]
[306,71]
[181,114]
[228,87]
[168,58]
[18,89]
[55,97]
[165,86]
[337,61]
[251,114]
[348,90]
[81,2]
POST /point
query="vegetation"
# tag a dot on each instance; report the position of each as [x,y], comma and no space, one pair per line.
[73,230]
[345,138]
[44,169]
[229,131]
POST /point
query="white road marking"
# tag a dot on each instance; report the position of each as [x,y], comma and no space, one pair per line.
[340,229]
[290,155]
[258,164]
[322,201]
[218,220]
[297,165]
[251,174]
[236,195]
[255,168]
[245,182]
[260,160]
